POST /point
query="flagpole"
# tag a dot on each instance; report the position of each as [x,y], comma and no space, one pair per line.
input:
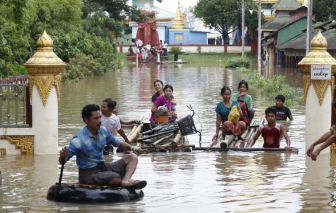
[259,38]
[243,29]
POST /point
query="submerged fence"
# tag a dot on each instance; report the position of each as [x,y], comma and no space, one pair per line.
[15,108]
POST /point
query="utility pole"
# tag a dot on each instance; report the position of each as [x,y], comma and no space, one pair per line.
[259,38]
[243,28]
[309,25]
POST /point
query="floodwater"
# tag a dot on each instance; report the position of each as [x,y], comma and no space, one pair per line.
[180,182]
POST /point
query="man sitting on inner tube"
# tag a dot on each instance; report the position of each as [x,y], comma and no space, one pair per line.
[88,145]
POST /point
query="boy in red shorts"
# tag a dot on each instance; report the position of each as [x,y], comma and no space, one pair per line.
[272,132]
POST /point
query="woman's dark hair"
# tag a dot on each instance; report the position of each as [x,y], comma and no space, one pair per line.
[224,89]
[158,81]
[270,110]
[280,97]
[88,109]
[168,86]
[110,103]
[243,82]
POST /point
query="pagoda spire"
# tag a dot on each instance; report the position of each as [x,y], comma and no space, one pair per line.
[178,23]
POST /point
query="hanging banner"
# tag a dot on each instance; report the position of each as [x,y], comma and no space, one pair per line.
[320,72]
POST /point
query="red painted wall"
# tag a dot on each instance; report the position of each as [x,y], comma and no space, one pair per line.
[299,13]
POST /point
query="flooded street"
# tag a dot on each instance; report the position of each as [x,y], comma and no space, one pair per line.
[181,182]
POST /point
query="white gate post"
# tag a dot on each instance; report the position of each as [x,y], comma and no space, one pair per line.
[318,94]
[44,70]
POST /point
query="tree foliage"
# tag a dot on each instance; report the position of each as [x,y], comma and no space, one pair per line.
[222,14]
[76,26]
[324,9]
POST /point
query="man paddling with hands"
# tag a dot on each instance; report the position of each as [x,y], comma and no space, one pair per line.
[88,145]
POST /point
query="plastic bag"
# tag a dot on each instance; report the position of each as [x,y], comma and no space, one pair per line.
[234,114]
[162,108]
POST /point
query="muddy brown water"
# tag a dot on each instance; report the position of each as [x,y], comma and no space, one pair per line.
[180,182]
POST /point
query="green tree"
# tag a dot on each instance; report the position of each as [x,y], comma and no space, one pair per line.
[14,42]
[76,26]
[324,9]
[110,14]
[222,14]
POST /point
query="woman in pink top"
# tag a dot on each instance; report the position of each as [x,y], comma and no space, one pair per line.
[164,100]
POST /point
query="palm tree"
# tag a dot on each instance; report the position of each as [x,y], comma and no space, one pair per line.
[176,50]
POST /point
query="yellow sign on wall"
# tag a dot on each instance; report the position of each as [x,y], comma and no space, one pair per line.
[178,38]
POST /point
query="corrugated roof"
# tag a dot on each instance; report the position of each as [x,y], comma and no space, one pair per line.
[276,22]
[289,23]
[323,24]
[268,42]
[286,5]
[303,6]
[333,24]
[299,42]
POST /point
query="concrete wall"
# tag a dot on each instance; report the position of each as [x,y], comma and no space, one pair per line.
[198,37]
[162,33]
[134,31]
[204,48]
[183,34]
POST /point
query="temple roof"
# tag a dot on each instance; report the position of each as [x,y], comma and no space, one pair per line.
[275,23]
[161,13]
[286,5]
[299,42]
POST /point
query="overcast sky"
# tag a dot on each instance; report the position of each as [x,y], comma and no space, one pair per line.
[171,5]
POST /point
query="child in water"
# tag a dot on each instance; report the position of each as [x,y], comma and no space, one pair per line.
[282,112]
[328,138]
[271,132]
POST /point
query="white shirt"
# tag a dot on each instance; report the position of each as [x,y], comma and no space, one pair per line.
[139,43]
[165,45]
[111,123]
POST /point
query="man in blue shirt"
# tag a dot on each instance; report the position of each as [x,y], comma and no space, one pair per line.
[88,145]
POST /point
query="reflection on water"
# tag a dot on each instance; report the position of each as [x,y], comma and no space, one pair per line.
[180,182]
[293,75]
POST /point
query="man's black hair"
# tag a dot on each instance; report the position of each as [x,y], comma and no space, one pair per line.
[110,103]
[270,110]
[88,109]
[280,97]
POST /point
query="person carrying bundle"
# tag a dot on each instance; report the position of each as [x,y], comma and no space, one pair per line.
[223,111]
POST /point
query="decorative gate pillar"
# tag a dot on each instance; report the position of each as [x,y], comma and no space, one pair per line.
[44,70]
[318,68]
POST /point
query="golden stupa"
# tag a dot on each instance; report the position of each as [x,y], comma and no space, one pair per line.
[178,23]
